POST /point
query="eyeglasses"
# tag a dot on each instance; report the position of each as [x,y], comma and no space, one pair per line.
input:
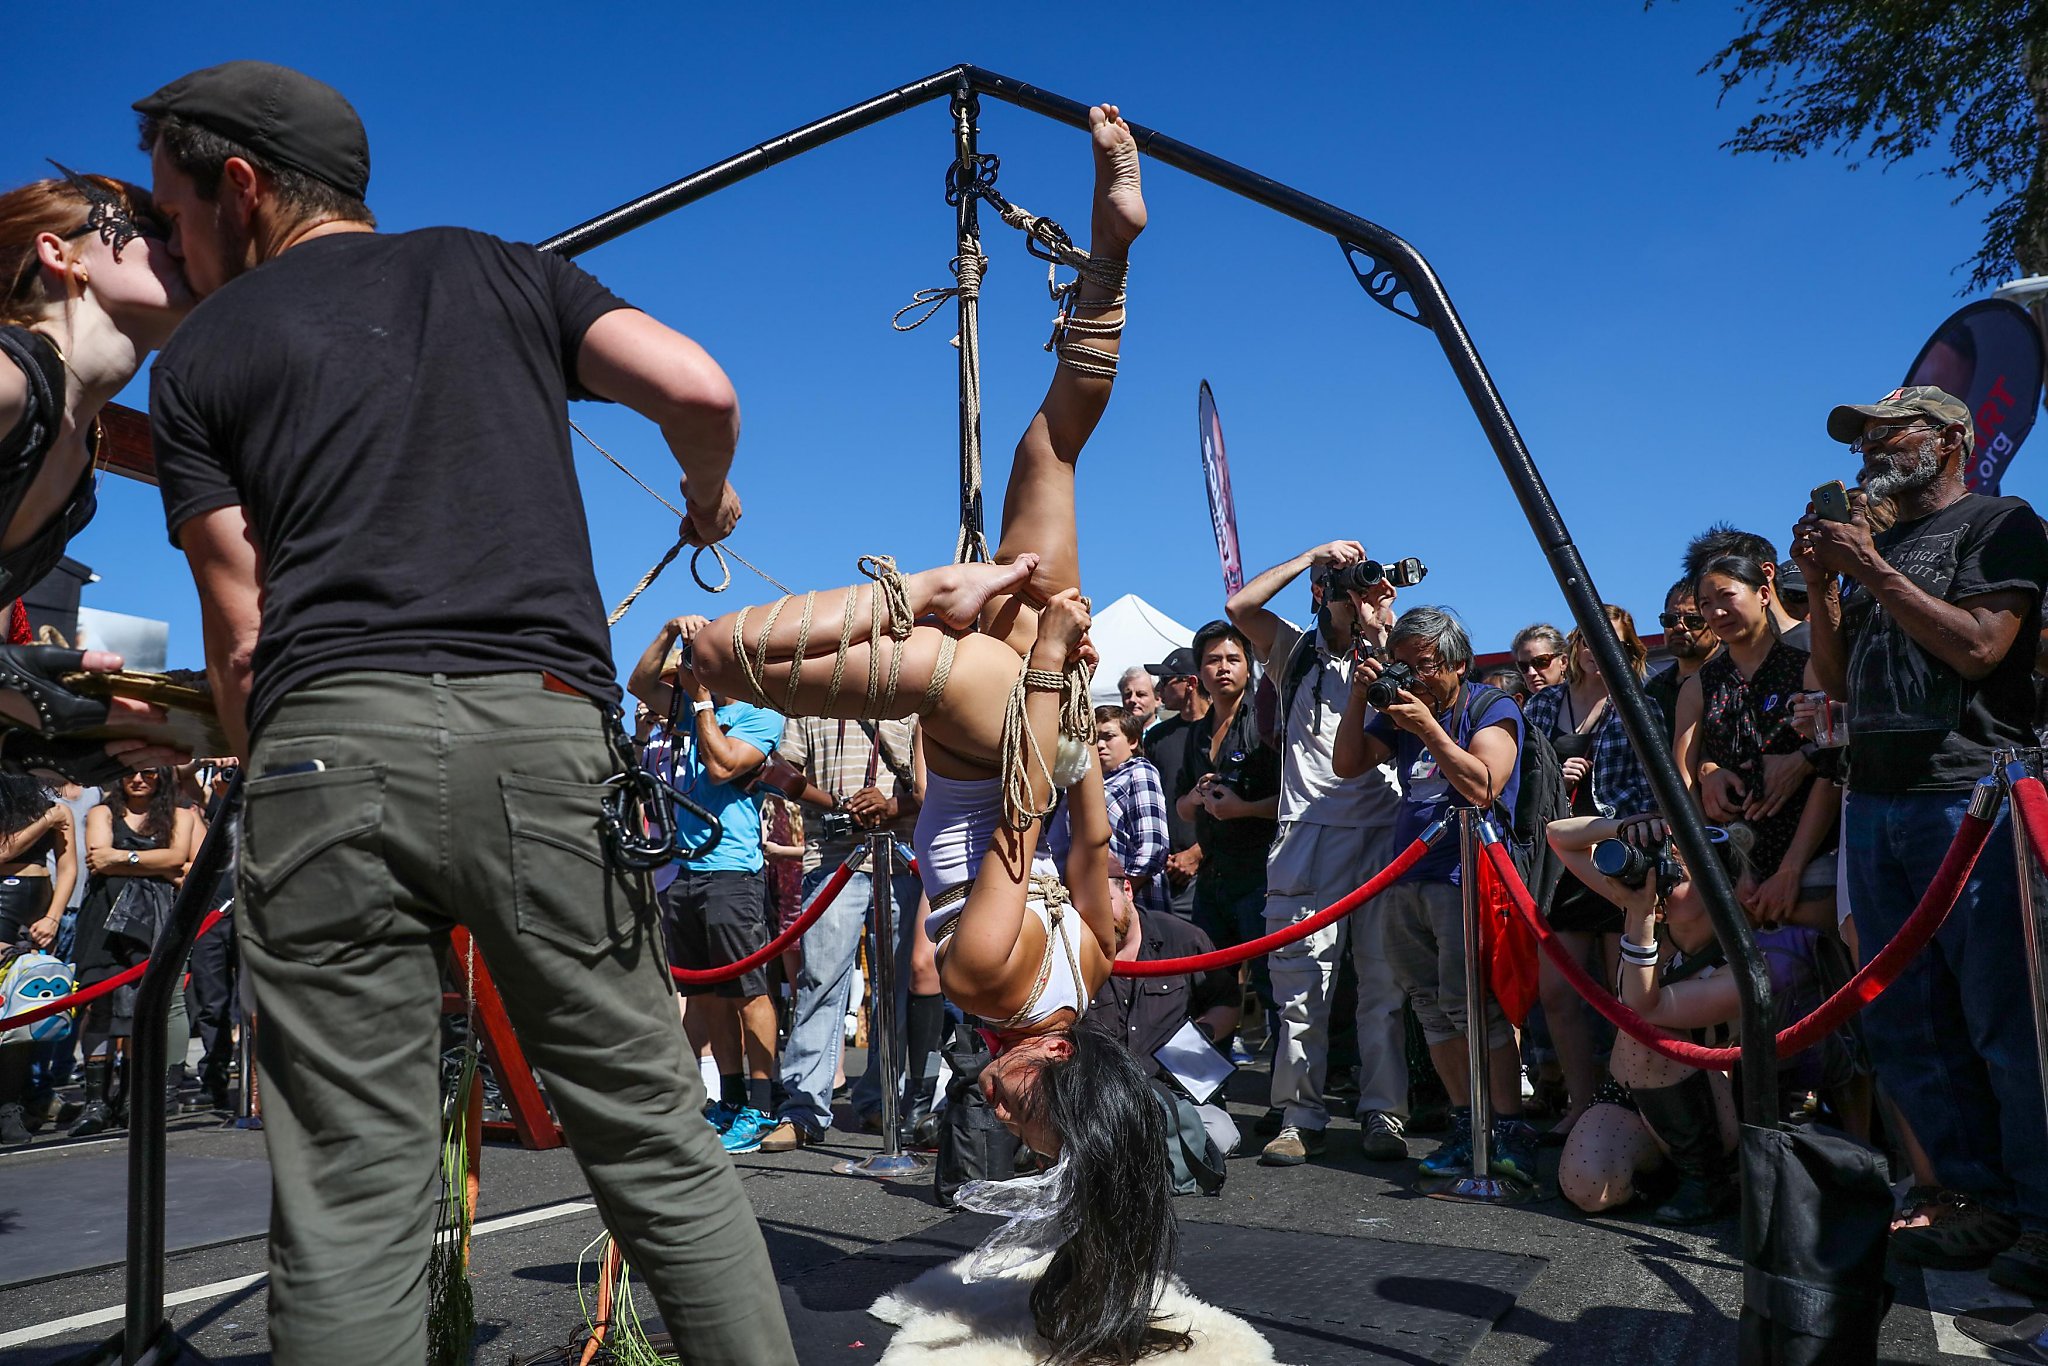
[1878,436]
[1536,664]
[1691,621]
[1429,668]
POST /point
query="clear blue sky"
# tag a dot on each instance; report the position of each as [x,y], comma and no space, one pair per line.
[1668,324]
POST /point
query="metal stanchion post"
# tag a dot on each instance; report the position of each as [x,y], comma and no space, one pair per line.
[2021,1332]
[248,1103]
[892,1161]
[1481,1186]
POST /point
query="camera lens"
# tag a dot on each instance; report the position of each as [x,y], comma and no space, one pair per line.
[1386,690]
[1622,861]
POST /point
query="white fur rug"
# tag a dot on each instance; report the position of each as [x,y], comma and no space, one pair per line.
[941,1319]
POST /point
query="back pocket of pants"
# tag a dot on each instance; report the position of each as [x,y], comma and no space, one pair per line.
[563,890]
[313,865]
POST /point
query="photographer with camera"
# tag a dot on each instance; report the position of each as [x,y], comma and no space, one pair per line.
[1929,635]
[715,909]
[1450,745]
[1230,788]
[1334,833]
[1650,1109]
[854,783]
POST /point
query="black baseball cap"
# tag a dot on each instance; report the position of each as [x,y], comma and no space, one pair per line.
[1791,580]
[282,115]
[1179,663]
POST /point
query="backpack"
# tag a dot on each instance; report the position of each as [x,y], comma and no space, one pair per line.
[1197,1161]
[1541,799]
[30,978]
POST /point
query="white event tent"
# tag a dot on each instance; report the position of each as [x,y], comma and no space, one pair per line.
[1131,631]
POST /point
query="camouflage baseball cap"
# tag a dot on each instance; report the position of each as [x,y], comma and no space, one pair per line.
[1845,423]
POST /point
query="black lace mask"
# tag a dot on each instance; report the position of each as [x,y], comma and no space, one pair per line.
[107,214]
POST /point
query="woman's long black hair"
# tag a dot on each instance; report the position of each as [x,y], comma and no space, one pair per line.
[160,817]
[1096,1303]
[22,800]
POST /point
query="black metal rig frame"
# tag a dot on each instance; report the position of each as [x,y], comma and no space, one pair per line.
[1393,273]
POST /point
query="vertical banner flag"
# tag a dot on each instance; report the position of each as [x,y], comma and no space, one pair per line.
[1216,477]
[1987,354]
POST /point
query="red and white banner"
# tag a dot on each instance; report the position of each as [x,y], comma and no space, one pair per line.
[1216,478]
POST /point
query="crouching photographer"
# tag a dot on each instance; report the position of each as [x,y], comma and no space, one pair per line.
[1661,1130]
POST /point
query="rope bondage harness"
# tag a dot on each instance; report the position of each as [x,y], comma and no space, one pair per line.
[92,993]
[1859,991]
[1280,939]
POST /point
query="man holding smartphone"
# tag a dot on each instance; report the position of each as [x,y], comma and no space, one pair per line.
[1928,634]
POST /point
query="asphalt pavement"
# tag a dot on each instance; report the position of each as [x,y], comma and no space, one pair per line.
[1611,1290]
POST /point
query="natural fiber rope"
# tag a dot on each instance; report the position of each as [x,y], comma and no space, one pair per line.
[796,668]
[1019,744]
[646,581]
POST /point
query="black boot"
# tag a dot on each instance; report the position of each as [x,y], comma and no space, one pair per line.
[1684,1117]
[174,1091]
[924,1029]
[98,1116]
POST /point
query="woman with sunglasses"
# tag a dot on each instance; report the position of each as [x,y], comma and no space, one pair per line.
[1539,652]
[1605,779]
[88,289]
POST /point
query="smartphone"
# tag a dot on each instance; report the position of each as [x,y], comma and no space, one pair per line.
[1831,502]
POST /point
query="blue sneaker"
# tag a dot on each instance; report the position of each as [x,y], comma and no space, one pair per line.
[746,1131]
[720,1115]
[1453,1157]
[1513,1154]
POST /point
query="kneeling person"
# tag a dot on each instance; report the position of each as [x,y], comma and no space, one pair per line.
[716,909]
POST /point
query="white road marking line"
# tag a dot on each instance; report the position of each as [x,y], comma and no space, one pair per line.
[1957,1292]
[216,1289]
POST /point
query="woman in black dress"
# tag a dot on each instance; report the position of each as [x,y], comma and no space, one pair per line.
[138,844]
[33,890]
[1577,718]
[1737,748]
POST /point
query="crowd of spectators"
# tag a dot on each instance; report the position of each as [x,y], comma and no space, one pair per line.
[1830,714]
[1251,781]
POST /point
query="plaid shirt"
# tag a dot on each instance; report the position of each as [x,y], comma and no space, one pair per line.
[1620,787]
[1137,832]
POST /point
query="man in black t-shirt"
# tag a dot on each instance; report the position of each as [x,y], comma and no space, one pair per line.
[363,450]
[1229,786]
[1166,745]
[1929,636]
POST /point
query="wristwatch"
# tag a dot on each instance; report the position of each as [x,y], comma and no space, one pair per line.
[134,856]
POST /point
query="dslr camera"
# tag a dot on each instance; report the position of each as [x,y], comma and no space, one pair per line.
[1356,578]
[1395,678]
[1633,867]
[835,825]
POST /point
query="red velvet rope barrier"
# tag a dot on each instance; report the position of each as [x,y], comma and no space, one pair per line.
[1252,948]
[796,931]
[1859,991]
[96,990]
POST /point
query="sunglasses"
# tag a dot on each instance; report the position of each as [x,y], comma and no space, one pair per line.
[1536,664]
[1692,621]
[1878,436]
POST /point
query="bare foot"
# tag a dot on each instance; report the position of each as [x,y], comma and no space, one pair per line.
[964,589]
[1119,202]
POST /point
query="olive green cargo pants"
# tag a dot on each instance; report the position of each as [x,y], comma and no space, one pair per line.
[383,808]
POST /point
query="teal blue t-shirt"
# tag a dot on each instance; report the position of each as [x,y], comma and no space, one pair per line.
[740,814]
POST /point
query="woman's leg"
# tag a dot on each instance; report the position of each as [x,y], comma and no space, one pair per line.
[1570,1031]
[1038,504]
[1608,1146]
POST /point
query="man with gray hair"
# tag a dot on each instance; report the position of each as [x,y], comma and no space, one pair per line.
[1140,697]
[1451,744]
